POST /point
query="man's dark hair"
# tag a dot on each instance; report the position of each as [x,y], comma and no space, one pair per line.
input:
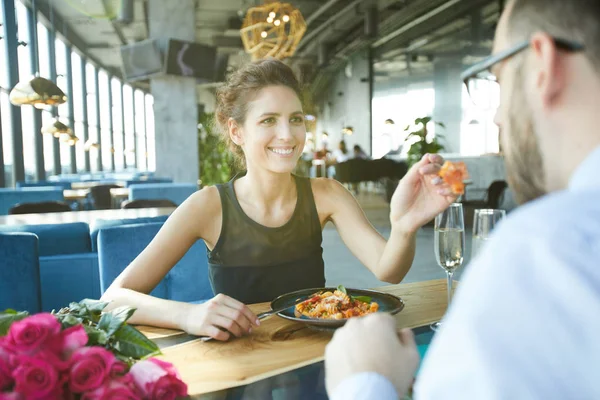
[577,20]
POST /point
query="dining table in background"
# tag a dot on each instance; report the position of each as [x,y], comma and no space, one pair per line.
[278,345]
[117,196]
[83,216]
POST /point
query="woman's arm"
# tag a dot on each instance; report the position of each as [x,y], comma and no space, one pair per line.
[418,198]
[198,217]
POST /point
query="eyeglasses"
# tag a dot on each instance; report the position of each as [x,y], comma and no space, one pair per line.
[474,75]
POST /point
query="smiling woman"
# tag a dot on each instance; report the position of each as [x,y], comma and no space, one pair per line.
[263,229]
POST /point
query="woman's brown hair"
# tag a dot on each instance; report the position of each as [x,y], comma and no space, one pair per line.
[241,86]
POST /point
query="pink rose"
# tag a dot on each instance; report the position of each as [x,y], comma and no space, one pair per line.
[37,378]
[158,379]
[71,339]
[6,379]
[29,335]
[114,389]
[11,396]
[90,366]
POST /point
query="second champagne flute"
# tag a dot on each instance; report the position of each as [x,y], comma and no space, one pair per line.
[449,243]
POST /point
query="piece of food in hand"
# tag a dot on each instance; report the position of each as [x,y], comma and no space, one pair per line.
[336,305]
[454,174]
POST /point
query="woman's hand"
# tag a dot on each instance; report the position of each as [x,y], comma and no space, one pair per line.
[420,195]
[219,318]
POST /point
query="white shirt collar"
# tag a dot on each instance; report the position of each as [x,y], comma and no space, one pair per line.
[587,174]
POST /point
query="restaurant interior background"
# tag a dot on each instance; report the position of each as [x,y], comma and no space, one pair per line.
[370,68]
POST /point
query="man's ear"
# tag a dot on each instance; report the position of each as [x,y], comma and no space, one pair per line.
[549,71]
[235,132]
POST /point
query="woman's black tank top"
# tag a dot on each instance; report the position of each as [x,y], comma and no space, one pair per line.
[254,263]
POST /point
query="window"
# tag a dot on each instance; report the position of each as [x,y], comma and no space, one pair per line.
[140,127]
[117,124]
[403,108]
[105,128]
[129,125]
[150,151]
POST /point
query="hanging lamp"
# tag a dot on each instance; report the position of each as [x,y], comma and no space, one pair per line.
[56,128]
[273,29]
[37,91]
[91,144]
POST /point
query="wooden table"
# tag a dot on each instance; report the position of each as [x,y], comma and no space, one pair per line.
[87,185]
[75,194]
[277,345]
[117,195]
[83,216]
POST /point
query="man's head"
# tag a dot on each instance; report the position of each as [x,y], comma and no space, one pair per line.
[549,113]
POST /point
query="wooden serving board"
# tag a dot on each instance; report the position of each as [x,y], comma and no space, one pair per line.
[278,345]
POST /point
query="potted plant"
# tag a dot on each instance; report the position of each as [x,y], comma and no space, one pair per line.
[420,144]
[216,161]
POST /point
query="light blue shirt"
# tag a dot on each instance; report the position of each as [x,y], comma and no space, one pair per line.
[525,322]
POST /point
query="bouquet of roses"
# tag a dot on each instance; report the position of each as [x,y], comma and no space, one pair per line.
[82,353]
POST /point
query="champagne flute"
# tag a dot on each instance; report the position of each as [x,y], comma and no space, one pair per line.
[449,243]
[484,221]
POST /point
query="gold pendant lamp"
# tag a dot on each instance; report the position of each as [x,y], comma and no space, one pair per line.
[37,91]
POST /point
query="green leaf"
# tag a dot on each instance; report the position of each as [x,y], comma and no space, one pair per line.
[111,321]
[68,320]
[95,336]
[132,343]
[93,305]
[441,124]
[342,289]
[8,317]
[364,299]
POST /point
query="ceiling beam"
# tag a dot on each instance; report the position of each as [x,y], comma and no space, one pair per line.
[68,34]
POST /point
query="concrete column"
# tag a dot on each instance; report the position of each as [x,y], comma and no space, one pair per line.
[448,101]
[175,104]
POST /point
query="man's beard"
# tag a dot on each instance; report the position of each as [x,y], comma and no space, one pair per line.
[523,160]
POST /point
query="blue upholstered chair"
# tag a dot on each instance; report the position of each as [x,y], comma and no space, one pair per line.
[118,246]
[63,185]
[176,192]
[147,181]
[105,223]
[10,197]
[68,269]
[19,272]
[67,238]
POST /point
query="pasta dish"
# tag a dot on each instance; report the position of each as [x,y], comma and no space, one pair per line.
[336,305]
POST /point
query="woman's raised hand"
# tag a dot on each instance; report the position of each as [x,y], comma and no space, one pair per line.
[420,195]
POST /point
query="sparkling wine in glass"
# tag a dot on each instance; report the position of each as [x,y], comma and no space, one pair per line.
[484,221]
[449,243]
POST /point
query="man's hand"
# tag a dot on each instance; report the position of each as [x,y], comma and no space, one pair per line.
[371,344]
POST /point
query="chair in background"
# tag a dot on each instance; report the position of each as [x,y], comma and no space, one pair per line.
[101,196]
[147,203]
[40,207]
[20,287]
[492,200]
[68,269]
[176,192]
[493,197]
[99,224]
[187,281]
[10,197]
[63,185]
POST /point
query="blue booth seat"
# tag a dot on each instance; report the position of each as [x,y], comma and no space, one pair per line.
[68,267]
[20,287]
[55,239]
[176,192]
[63,185]
[187,281]
[106,223]
[146,181]
[10,197]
